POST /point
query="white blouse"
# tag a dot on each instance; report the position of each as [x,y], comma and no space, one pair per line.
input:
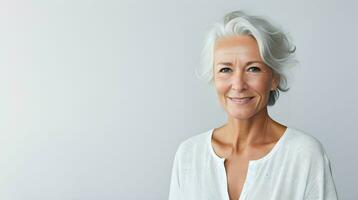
[296,168]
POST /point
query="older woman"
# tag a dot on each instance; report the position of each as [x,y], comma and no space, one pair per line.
[251,156]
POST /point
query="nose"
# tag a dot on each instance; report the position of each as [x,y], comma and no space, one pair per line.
[239,82]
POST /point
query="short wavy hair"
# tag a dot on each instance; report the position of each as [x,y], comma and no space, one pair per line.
[275,48]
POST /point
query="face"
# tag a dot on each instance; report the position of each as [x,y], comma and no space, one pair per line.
[242,80]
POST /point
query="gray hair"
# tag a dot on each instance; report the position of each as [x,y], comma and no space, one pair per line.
[275,48]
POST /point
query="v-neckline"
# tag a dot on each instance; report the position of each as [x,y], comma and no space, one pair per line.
[251,163]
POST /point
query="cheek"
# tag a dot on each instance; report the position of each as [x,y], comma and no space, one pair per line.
[221,86]
[262,85]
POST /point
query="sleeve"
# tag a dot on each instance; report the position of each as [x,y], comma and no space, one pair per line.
[322,187]
[174,191]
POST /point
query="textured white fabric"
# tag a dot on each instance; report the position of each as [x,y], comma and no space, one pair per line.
[296,168]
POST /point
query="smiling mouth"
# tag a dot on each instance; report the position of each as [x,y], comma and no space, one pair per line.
[244,100]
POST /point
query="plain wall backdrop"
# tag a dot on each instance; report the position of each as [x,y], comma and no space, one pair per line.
[95,96]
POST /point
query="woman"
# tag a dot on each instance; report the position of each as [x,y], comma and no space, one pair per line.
[252,156]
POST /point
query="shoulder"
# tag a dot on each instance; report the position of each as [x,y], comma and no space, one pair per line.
[194,144]
[313,164]
[305,145]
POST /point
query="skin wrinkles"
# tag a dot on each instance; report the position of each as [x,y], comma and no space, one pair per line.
[239,71]
[249,133]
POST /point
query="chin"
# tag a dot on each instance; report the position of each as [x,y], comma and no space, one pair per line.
[241,115]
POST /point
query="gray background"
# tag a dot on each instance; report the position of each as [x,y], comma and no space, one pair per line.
[95,96]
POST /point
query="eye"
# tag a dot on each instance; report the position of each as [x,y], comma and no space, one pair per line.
[254,69]
[224,70]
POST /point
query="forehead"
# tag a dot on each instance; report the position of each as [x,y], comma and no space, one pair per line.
[241,46]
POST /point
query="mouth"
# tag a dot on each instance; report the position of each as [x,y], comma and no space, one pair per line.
[241,101]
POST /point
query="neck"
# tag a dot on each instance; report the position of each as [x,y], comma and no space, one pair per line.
[244,132]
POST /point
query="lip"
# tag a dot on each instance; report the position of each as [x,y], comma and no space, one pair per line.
[241,101]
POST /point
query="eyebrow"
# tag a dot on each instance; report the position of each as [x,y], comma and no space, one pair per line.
[248,63]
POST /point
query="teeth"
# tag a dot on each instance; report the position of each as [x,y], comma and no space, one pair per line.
[241,100]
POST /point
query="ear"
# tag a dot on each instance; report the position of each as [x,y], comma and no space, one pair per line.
[275,81]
